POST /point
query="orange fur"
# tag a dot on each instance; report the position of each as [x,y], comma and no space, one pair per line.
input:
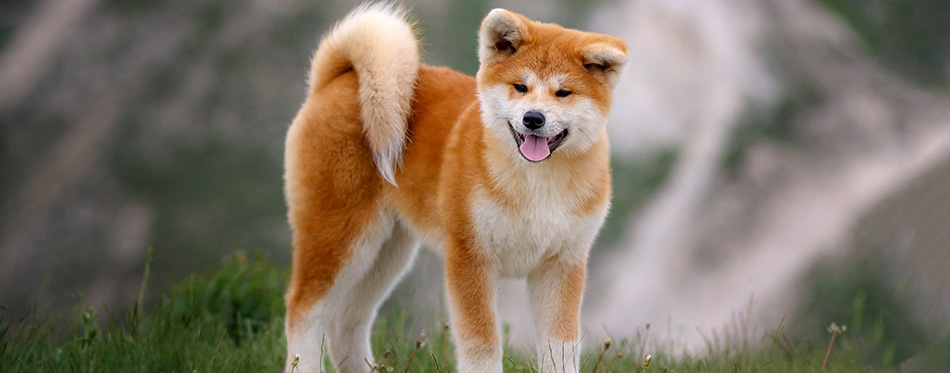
[572,292]
[331,186]
[456,168]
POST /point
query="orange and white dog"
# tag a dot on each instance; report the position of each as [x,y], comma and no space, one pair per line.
[506,174]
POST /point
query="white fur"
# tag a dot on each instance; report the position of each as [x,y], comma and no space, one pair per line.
[585,122]
[339,324]
[376,41]
[517,241]
[480,364]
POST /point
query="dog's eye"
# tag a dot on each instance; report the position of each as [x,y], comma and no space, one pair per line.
[562,93]
[521,88]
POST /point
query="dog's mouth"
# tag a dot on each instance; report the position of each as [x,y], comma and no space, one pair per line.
[537,148]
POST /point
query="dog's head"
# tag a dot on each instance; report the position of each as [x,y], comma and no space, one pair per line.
[543,87]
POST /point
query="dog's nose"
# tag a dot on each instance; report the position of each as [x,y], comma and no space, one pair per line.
[533,120]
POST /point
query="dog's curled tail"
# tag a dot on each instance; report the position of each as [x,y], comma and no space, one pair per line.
[378,42]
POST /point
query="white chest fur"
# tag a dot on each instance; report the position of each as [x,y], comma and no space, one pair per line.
[517,239]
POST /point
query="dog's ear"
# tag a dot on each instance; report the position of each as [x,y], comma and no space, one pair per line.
[605,58]
[501,35]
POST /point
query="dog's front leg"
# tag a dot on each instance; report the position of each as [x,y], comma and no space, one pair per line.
[556,289]
[470,282]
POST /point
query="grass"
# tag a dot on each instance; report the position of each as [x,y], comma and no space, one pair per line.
[857,293]
[227,320]
[231,319]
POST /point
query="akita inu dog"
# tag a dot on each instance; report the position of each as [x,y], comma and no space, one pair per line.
[505,174]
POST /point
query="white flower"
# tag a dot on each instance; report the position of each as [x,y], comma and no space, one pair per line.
[836,329]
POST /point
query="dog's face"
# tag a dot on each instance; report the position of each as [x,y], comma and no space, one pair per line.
[545,88]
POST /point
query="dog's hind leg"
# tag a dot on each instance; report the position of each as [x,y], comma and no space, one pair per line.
[334,195]
[350,334]
[325,277]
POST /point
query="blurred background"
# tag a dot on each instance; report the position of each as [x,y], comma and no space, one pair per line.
[776,162]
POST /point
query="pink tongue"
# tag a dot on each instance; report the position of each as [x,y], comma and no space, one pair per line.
[535,148]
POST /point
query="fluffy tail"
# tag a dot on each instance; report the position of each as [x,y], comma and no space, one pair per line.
[379,43]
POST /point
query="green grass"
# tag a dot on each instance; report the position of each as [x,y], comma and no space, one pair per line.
[857,292]
[231,319]
[227,320]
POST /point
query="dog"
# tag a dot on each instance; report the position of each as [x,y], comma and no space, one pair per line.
[505,174]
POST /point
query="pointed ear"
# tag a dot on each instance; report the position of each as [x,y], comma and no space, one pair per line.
[500,35]
[605,59]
